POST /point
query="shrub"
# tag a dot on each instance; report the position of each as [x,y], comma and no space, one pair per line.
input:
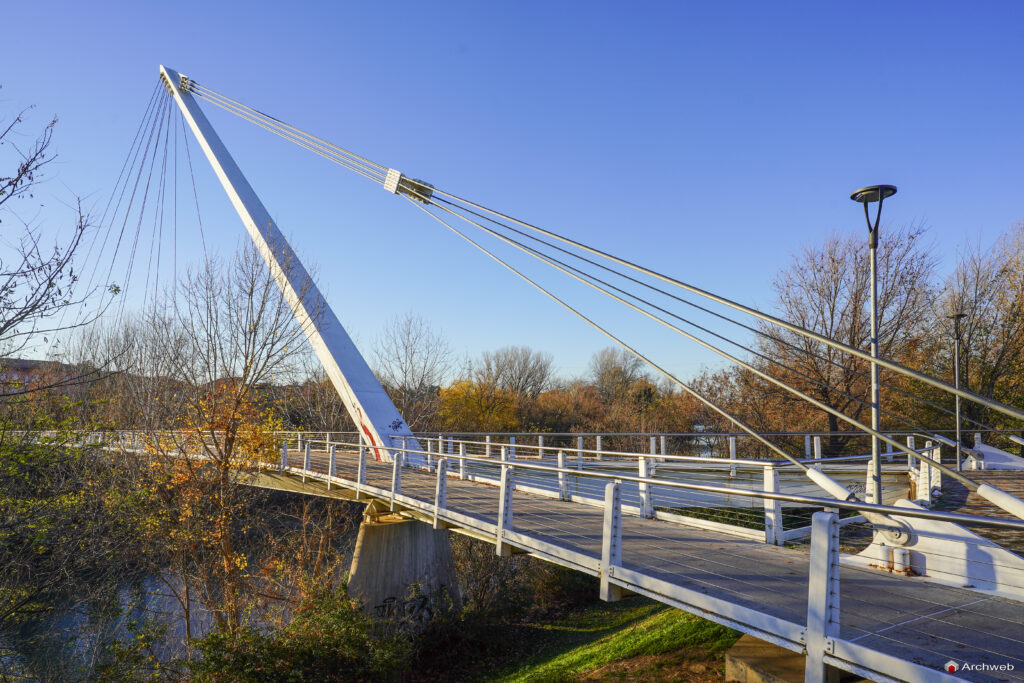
[326,640]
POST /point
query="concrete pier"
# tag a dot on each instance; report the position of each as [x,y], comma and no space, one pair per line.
[400,567]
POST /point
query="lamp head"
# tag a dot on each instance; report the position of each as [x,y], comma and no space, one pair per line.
[868,195]
[874,193]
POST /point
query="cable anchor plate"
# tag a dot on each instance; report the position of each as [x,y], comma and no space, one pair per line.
[396,183]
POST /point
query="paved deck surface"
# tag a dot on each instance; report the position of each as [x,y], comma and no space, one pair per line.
[956,498]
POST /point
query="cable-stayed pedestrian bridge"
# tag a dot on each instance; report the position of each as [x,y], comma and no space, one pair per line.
[885,587]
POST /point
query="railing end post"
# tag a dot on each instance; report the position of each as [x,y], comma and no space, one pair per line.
[611,542]
[822,593]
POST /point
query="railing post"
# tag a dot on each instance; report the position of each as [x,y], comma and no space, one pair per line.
[732,456]
[508,485]
[396,478]
[807,445]
[441,490]
[540,446]
[646,497]
[563,478]
[869,483]
[611,542]
[579,450]
[910,447]
[451,445]
[430,450]
[284,456]
[512,447]
[664,452]
[772,508]
[597,445]
[503,456]
[817,448]
[298,440]
[305,461]
[331,465]
[934,473]
[925,475]
[462,461]
[822,594]
[487,446]
[654,446]
[361,469]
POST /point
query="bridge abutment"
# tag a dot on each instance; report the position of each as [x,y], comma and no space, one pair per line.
[752,660]
[401,567]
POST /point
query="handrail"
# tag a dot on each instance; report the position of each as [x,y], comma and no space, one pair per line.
[859,506]
[619,454]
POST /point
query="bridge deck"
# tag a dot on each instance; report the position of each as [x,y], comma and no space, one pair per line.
[908,619]
[956,497]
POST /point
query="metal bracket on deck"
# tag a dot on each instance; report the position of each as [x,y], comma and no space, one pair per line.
[396,183]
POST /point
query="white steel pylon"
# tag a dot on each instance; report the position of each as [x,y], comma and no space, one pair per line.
[372,410]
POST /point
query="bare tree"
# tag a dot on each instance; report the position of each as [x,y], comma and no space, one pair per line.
[988,287]
[826,289]
[412,361]
[518,369]
[37,278]
[614,370]
[314,404]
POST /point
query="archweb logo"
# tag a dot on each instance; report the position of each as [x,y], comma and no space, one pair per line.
[952,667]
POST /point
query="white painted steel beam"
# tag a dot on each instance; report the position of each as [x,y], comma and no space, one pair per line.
[368,404]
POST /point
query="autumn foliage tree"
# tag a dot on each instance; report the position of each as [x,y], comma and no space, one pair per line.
[224,336]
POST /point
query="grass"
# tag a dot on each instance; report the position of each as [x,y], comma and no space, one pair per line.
[609,634]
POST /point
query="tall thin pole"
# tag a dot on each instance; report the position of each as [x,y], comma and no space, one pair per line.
[865,196]
[957,317]
[876,462]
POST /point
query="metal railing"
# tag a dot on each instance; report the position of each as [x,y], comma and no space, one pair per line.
[830,631]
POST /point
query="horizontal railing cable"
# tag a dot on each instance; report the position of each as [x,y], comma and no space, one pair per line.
[854,505]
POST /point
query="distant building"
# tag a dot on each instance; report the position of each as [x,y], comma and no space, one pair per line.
[20,374]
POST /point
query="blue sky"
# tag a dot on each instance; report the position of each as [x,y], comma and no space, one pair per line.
[707,140]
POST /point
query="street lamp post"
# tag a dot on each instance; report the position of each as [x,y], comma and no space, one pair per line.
[956,318]
[868,195]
